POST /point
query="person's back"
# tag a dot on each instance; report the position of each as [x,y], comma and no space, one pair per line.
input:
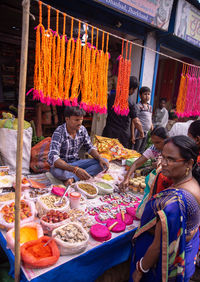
[180,128]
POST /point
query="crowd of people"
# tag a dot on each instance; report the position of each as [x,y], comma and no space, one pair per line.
[167,241]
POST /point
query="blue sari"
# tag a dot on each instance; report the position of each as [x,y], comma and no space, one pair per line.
[176,260]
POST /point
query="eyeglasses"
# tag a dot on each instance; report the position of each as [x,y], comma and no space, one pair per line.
[169,160]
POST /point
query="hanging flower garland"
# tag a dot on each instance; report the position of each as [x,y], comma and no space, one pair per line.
[64,69]
[102,77]
[85,73]
[69,66]
[75,89]
[188,101]
[121,106]
[92,94]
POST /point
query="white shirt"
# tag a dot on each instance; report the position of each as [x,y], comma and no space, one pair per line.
[161,117]
[180,128]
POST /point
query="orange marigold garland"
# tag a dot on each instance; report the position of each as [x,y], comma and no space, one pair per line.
[60,66]
[102,78]
[55,75]
[39,57]
[85,73]
[94,73]
[69,66]
[106,65]
[47,53]
[75,89]
[61,70]
[121,106]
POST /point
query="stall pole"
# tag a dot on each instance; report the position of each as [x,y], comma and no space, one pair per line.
[21,106]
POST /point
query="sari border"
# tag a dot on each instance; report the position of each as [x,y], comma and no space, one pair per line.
[145,227]
[165,243]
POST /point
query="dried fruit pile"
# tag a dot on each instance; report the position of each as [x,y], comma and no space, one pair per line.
[9,211]
[55,216]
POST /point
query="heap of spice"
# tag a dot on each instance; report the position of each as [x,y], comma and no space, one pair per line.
[88,188]
[35,255]
[104,185]
[7,197]
[27,233]
[107,177]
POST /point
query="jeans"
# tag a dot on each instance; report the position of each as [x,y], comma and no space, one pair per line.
[140,144]
[92,167]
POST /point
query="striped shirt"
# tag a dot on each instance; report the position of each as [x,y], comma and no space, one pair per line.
[64,147]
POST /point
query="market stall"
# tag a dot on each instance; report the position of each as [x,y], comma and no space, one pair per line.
[101,205]
[104,220]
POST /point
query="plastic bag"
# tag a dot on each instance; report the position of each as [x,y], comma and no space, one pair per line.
[8,148]
[49,227]
[10,238]
[67,248]
[35,261]
[42,208]
[6,224]
[29,194]
[39,156]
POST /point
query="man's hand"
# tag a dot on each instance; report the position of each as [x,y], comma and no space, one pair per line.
[133,139]
[82,174]
[141,134]
[104,164]
[124,184]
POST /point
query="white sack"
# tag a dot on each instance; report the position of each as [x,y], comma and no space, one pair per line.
[8,148]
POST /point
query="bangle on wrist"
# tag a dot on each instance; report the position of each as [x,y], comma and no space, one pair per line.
[141,267]
[75,169]
[138,267]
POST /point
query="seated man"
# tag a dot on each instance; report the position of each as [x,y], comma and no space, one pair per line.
[66,143]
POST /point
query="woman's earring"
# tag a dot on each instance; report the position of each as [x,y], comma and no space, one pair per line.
[187,171]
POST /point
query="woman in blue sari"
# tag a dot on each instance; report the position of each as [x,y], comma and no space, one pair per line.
[167,241]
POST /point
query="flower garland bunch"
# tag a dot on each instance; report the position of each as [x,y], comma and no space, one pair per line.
[85,73]
[64,69]
[188,101]
[121,106]
[69,66]
[75,89]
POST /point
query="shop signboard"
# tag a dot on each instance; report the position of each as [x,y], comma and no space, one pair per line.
[187,25]
[155,12]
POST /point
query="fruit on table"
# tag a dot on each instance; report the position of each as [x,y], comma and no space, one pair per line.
[55,216]
[9,211]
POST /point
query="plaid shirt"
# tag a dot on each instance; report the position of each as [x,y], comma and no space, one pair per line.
[64,147]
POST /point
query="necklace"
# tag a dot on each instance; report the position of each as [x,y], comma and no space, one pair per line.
[182,182]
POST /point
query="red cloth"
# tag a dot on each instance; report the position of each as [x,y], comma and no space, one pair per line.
[162,183]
